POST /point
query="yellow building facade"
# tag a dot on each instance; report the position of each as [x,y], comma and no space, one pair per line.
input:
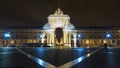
[72,37]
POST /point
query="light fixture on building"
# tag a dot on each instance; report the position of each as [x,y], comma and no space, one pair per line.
[105,41]
[40,36]
[79,35]
[108,35]
[34,41]
[12,42]
[7,35]
[87,41]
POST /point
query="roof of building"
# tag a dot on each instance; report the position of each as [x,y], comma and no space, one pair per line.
[77,28]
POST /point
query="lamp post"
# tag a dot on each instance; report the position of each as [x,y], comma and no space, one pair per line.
[7,36]
[78,38]
[108,36]
[41,37]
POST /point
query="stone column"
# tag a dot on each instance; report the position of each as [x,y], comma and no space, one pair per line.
[115,43]
[51,38]
[69,39]
[74,38]
[48,36]
[65,38]
[43,35]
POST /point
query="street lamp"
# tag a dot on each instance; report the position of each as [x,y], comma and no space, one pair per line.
[79,36]
[41,36]
[7,36]
[108,35]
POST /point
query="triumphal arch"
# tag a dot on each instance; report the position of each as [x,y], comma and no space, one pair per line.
[59,20]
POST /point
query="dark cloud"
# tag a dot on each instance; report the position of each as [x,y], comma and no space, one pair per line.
[27,13]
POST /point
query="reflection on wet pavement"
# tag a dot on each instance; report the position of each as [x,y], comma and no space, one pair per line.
[60,57]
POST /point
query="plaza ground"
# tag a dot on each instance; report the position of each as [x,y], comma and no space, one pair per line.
[59,57]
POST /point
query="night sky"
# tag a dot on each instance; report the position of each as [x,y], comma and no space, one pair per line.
[34,13]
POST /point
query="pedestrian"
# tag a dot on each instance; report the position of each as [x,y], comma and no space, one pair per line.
[105,45]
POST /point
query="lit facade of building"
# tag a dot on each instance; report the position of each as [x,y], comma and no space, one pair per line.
[92,37]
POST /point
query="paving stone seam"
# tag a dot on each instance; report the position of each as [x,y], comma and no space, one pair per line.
[38,60]
[110,53]
[6,52]
[78,60]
